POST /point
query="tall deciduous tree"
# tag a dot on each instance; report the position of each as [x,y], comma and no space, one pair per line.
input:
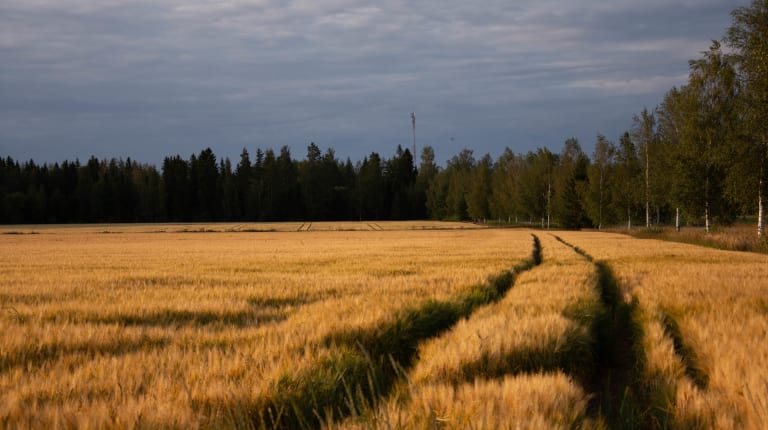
[426,174]
[458,174]
[748,36]
[536,191]
[599,190]
[505,186]
[626,193]
[479,193]
[644,134]
[711,94]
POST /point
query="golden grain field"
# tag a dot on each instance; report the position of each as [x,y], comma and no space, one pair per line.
[705,317]
[185,330]
[504,366]
[376,325]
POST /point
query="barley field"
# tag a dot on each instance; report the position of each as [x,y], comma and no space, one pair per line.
[516,363]
[184,330]
[376,325]
[705,318]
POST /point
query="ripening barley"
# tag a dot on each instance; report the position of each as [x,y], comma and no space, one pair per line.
[152,326]
[502,367]
[717,301]
[535,401]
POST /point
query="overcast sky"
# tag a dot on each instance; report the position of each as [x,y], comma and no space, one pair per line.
[146,79]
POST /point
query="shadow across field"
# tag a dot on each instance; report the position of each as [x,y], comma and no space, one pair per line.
[40,355]
[175,318]
[280,302]
[692,363]
[8,300]
[367,363]
[571,356]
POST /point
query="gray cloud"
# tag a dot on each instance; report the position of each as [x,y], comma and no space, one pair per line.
[147,79]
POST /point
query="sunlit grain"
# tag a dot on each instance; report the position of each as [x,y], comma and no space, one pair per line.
[154,326]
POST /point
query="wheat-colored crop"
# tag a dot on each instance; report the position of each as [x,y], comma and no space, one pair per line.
[194,326]
[529,328]
[503,366]
[188,330]
[704,321]
[532,401]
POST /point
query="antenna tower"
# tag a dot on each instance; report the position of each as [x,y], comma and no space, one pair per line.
[413,123]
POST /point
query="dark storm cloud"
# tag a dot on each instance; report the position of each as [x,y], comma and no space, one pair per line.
[147,79]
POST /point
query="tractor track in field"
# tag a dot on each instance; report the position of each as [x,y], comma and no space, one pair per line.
[613,381]
[369,362]
[688,356]
[304,227]
[621,395]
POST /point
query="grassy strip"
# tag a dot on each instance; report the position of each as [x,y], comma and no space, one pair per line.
[576,249]
[367,363]
[623,396]
[619,358]
[691,361]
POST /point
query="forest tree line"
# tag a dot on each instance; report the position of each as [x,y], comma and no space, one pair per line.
[699,157]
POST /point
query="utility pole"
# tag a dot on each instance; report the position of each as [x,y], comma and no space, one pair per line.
[413,123]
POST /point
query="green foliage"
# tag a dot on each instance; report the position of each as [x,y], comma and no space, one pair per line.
[478,197]
[746,177]
[505,186]
[600,183]
[536,185]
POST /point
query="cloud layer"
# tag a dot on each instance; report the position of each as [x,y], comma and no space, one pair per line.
[145,79]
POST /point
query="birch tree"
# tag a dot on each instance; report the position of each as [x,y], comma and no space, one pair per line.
[479,193]
[626,177]
[670,115]
[599,173]
[505,186]
[644,133]
[748,36]
[710,100]
[536,191]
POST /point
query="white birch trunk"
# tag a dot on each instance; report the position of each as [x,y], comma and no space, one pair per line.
[647,187]
[647,214]
[706,206]
[600,215]
[677,219]
[706,216]
[760,199]
[760,209]
[549,201]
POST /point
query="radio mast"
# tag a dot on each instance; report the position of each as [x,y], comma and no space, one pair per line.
[413,123]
